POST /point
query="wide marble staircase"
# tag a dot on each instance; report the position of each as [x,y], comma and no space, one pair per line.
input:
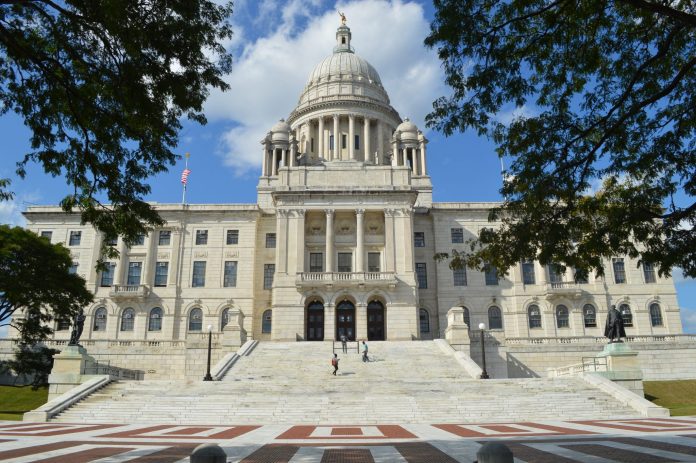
[405,382]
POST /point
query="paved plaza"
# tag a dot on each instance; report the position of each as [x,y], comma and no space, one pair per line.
[588,441]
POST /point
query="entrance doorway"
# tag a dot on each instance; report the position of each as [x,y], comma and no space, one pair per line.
[345,321]
[315,321]
[375,321]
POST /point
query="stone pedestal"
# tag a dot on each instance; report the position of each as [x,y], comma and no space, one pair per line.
[457,331]
[68,369]
[233,334]
[623,366]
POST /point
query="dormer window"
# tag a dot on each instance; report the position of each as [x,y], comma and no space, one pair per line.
[343,40]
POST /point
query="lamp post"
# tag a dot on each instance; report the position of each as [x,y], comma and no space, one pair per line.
[484,374]
[210,342]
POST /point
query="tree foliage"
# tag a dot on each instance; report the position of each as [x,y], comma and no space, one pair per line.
[35,278]
[603,163]
[103,85]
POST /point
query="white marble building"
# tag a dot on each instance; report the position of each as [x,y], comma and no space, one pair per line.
[341,240]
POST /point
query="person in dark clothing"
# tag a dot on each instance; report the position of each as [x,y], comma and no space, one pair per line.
[344,343]
[334,363]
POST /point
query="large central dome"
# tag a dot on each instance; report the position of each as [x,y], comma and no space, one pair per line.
[341,77]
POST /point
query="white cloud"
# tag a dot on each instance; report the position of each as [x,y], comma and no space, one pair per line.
[689,320]
[506,117]
[271,72]
[11,213]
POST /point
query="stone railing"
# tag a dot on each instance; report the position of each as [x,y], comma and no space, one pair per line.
[588,364]
[685,338]
[346,278]
[563,288]
[191,338]
[126,291]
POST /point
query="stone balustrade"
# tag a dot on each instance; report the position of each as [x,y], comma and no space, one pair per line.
[128,291]
[685,338]
[308,279]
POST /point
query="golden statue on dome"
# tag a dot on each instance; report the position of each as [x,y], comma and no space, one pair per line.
[343,18]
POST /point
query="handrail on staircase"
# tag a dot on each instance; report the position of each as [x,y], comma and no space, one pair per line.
[340,345]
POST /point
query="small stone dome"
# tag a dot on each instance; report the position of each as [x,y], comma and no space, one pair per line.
[281,131]
[408,130]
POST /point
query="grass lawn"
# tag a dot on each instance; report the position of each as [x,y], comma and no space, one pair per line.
[678,396]
[17,400]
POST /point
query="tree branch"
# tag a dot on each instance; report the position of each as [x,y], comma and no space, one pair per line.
[679,16]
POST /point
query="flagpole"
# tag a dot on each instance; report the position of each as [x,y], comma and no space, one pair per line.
[183,196]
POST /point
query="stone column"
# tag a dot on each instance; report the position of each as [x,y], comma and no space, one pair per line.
[320,138]
[150,258]
[274,162]
[300,240]
[366,140]
[351,136]
[336,141]
[389,239]
[293,151]
[92,273]
[380,142]
[281,241]
[174,257]
[264,168]
[407,236]
[360,240]
[284,157]
[329,321]
[395,154]
[329,240]
[422,157]
[360,321]
[122,262]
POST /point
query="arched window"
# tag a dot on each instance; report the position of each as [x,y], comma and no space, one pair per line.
[626,314]
[100,319]
[495,318]
[424,321]
[224,319]
[534,315]
[267,320]
[655,314]
[195,320]
[589,314]
[155,320]
[467,319]
[562,316]
[127,319]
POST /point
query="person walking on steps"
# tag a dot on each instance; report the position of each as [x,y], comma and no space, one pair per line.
[344,343]
[334,363]
[365,358]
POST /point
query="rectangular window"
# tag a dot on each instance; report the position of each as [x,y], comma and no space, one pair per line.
[528,276]
[421,275]
[649,272]
[230,278]
[72,270]
[419,239]
[457,235]
[357,142]
[161,273]
[555,273]
[579,279]
[374,262]
[344,141]
[491,275]
[201,237]
[270,240]
[232,237]
[112,242]
[165,237]
[47,234]
[311,144]
[139,240]
[345,261]
[198,280]
[459,276]
[134,270]
[619,270]
[268,272]
[107,275]
[75,238]
[331,142]
[316,260]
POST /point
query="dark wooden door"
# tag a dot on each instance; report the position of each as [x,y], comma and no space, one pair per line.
[315,322]
[375,321]
[345,320]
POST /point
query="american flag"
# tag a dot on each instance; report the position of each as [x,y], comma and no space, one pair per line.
[184,176]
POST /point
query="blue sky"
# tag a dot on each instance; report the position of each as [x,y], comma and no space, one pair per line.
[275,46]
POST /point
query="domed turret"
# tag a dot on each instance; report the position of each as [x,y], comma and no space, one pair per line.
[408,130]
[280,132]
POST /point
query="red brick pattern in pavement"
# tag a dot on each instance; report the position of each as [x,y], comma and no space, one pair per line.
[685,449]
[615,454]
[305,433]
[641,425]
[529,454]
[168,455]
[422,452]
[85,456]
[346,432]
[272,454]
[509,430]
